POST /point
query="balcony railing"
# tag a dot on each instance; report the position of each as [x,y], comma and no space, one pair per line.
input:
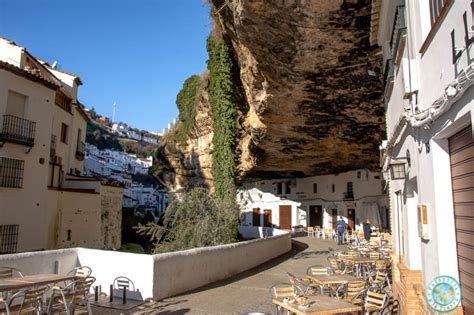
[80,150]
[397,41]
[52,149]
[17,130]
[349,195]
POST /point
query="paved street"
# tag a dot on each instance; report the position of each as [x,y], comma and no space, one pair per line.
[247,292]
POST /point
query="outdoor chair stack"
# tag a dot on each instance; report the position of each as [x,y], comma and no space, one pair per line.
[24,301]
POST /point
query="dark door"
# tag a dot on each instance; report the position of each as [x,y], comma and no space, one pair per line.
[351,216]
[256,216]
[267,218]
[285,217]
[334,218]
[315,216]
[461,151]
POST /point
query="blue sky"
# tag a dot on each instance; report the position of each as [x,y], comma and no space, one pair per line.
[135,52]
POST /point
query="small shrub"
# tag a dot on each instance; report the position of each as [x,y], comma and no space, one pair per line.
[194,220]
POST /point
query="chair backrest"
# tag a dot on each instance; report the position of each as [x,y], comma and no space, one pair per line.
[317,270]
[124,283]
[82,288]
[281,291]
[310,229]
[380,276]
[82,271]
[375,299]
[333,262]
[33,298]
[374,255]
[299,288]
[380,265]
[354,288]
[9,272]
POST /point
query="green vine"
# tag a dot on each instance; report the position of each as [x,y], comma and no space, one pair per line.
[186,101]
[223,110]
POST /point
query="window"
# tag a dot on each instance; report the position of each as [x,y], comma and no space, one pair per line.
[350,188]
[11,172]
[8,238]
[315,188]
[64,132]
[436,7]
[397,171]
[68,235]
[279,188]
[333,188]
[358,174]
[288,188]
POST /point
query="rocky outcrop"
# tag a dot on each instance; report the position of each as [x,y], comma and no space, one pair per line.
[313,94]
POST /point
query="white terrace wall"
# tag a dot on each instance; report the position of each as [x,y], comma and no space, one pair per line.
[161,275]
[182,271]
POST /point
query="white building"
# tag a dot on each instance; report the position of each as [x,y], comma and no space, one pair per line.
[45,202]
[428,52]
[355,195]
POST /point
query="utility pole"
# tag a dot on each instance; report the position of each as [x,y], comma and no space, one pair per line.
[113,112]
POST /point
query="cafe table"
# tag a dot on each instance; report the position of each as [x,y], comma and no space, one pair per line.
[318,305]
[14,284]
[327,280]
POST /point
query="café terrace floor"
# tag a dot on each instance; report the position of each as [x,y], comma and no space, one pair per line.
[246,292]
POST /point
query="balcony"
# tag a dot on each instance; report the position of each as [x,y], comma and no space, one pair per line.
[398,38]
[17,130]
[52,149]
[349,195]
[80,150]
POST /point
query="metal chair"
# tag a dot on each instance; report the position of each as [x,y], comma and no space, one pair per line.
[10,272]
[124,283]
[374,301]
[300,288]
[282,291]
[311,231]
[82,271]
[74,295]
[354,293]
[32,301]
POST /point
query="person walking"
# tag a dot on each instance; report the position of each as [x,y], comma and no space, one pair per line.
[341,229]
[367,230]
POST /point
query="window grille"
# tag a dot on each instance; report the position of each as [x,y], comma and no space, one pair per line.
[11,172]
[8,238]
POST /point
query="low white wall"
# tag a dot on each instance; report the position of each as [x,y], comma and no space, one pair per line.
[107,265]
[161,275]
[251,232]
[182,271]
[52,261]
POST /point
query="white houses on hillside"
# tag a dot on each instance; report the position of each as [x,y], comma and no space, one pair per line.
[317,200]
[429,154]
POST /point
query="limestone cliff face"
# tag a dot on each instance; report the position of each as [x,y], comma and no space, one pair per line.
[312,89]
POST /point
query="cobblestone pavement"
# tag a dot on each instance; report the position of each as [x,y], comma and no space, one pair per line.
[246,292]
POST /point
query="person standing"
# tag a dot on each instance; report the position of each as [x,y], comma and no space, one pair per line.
[367,230]
[341,229]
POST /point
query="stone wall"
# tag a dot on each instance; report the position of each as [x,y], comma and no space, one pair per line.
[111,216]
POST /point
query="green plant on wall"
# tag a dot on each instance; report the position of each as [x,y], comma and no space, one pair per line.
[186,101]
[223,110]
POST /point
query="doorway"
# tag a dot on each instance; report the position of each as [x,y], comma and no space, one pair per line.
[351,217]
[285,217]
[267,218]
[316,216]
[334,218]
[256,216]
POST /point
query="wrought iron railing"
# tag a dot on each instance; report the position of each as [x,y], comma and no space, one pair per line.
[52,149]
[80,150]
[18,130]
[348,195]
[399,30]
[11,172]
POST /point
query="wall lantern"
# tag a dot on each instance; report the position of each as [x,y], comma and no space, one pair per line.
[397,168]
